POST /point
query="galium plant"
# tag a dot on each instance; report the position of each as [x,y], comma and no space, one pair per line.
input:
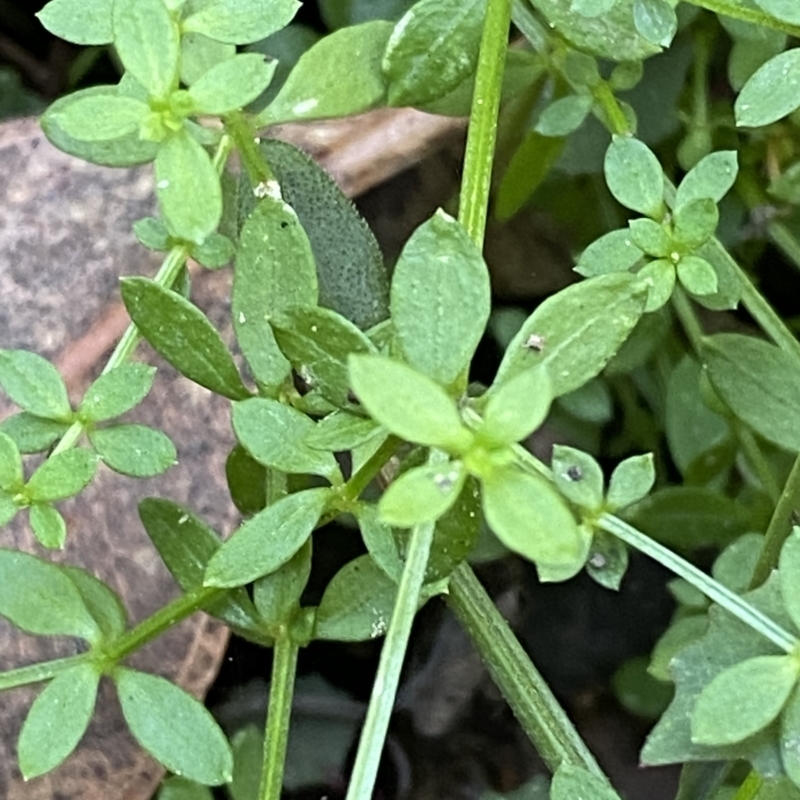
[384,369]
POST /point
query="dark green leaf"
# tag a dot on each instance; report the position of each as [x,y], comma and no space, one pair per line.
[317,342]
[432,49]
[275,269]
[440,298]
[173,727]
[40,598]
[634,176]
[135,450]
[268,540]
[529,517]
[575,783]
[117,391]
[630,481]
[78,22]
[183,335]
[724,714]
[422,494]
[314,91]
[712,177]
[578,477]
[48,525]
[277,595]
[352,277]
[188,188]
[57,720]
[33,434]
[11,475]
[146,37]
[273,433]
[231,84]
[608,560]
[517,408]
[357,603]
[408,403]
[759,382]
[34,384]
[101,117]
[62,475]
[772,92]
[239,21]
[247,481]
[577,331]
[102,602]
[613,252]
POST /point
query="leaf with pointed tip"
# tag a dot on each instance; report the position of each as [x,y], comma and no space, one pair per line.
[62,475]
[34,384]
[136,450]
[48,526]
[117,391]
[79,22]
[239,21]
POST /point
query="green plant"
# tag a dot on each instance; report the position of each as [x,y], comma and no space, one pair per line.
[386,370]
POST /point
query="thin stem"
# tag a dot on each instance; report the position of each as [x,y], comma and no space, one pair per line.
[35,673]
[276,735]
[355,486]
[479,156]
[528,694]
[617,121]
[244,134]
[387,679]
[683,308]
[731,602]
[752,452]
[737,10]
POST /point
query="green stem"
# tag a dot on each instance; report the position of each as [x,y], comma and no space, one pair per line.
[166,275]
[716,592]
[387,679]
[683,308]
[352,490]
[276,735]
[479,156]
[752,452]
[35,673]
[528,694]
[615,117]
[737,10]
[750,788]
[244,134]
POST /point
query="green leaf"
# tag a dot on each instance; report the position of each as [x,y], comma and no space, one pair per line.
[759,382]
[199,54]
[79,22]
[379,540]
[48,525]
[565,115]
[651,237]
[440,299]
[101,117]
[408,403]
[631,480]
[215,252]
[314,91]
[578,477]
[188,188]
[772,92]
[694,222]
[785,10]
[126,151]
[432,49]
[341,431]
[317,342]
[232,84]
[11,475]
[247,480]
[33,434]
[101,601]
[529,517]
[39,597]
[357,603]
[34,384]
[274,270]
[268,540]
[592,8]
[655,20]
[173,727]
[790,727]
[608,560]
[613,252]
[146,37]
[634,176]
[579,329]
[273,433]
[610,35]
[712,177]
[277,595]
[681,633]
[152,233]
[117,391]
[62,475]
[660,276]
[697,276]
[743,699]
[175,788]
[736,564]
[57,720]
[789,571]
[517,408]
[135,450]
[186,545]
[181,333]
[422,494]
[239,21]
[8,508]
[352,276]
[575,783]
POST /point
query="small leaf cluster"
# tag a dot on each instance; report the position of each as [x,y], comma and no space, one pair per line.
[34,384]
[669,239]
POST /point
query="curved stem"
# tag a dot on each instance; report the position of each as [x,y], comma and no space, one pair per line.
[35,673]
